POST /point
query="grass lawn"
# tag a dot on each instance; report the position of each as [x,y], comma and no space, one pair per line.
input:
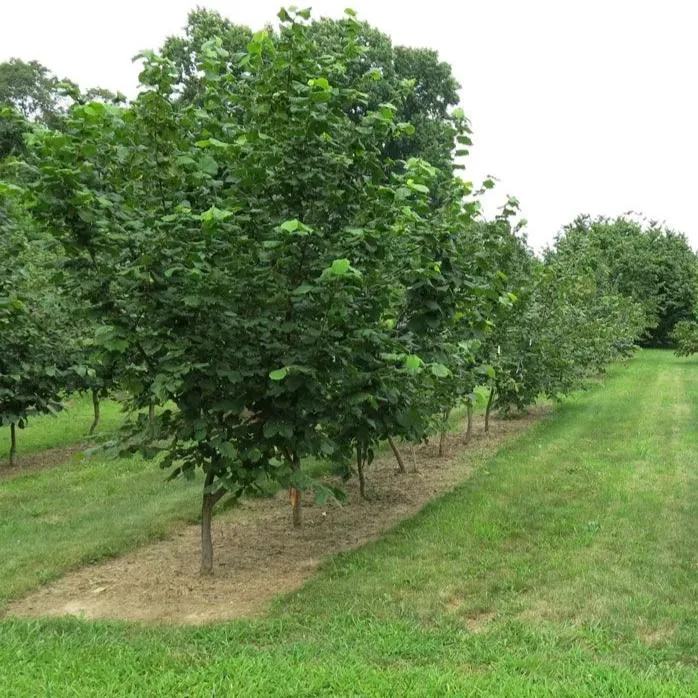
[566,566]
[79,512]
[63,429]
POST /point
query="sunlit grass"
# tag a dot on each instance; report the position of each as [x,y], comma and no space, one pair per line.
[566,566]
[67,427]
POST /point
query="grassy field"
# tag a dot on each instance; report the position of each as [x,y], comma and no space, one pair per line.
[79,512]
[82,510]
[566,566]
[63,429]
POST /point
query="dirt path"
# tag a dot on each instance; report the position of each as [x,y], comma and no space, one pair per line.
[41,460]
[258,555]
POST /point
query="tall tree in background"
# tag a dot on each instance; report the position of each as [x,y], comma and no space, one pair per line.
[13,128]
[28,93]
[653,266]
[420,86]
[35,359]
[31,89]
[186,52]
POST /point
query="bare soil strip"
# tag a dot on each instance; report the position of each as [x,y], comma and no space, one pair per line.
[41,460]
[257,553]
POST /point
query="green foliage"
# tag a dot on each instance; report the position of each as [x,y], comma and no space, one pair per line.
[13,127]
[685,337]
[178,215]
[564,330]
[270,243]
[653,266]
[185,52]
[413,83]
[34,360]
[31,89]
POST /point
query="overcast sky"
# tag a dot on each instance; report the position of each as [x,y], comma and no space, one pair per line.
[576,106]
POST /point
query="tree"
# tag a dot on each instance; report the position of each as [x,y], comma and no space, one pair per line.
[454,302]
[654,266]
[13,128]
[685,337]
[420,86]
[566,329]
[186,52]
[33,361]
[31,89]
[240,254]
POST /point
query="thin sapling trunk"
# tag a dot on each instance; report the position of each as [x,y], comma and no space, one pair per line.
[209,501]
[360,469]
[442,437]
[398,456]
[296,494]
[95,408]
[13,444]
[488,409]
[469,429]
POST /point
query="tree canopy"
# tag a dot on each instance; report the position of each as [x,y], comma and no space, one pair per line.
[652,265]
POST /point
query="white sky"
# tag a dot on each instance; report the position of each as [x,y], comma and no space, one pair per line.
[576,105]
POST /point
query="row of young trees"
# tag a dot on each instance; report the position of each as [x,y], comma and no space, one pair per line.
[271,243]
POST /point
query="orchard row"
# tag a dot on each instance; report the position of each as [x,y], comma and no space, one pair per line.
[270,252]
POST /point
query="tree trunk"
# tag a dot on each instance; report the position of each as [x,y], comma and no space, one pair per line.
[488,409]
[362,477]
[95,407]
[209,501]
[398,456]
[442,443]
[296,497]
[13,444]
[296,506]
[469,430]
[442,437]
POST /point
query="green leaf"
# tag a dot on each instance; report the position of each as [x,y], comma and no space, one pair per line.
[413,363]
[211,143]
[322,83]
[340,267]
[421,188]
[439,370]
[290,226]
[279,374]
[6,188]
[227,450]
[208,165]
[215,214]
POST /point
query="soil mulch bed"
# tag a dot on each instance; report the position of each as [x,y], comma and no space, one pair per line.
[257,553]
[41,460]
